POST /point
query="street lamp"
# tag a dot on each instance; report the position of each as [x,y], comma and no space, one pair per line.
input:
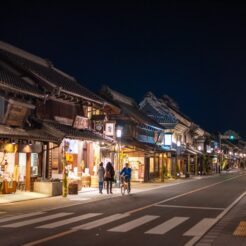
[118,133]
[117,171]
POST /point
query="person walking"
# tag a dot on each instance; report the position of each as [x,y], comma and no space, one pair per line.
[100,173]
[126,172]
[109,177]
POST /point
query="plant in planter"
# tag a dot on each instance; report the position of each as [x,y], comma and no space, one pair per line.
[177,171]
[65,181]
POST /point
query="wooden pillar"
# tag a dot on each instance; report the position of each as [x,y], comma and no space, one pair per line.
[196,165]
[188,164]
[146,168]
[28,172]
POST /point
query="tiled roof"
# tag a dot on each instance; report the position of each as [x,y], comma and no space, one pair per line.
[70,132]
[14,82]
[139,116]
[143,146]
[26,134]
[164,119]
[52,75]
[135,143]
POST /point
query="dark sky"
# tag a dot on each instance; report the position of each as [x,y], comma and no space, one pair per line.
[195,53]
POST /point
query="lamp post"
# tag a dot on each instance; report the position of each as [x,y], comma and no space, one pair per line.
[118,137]
[177,157]
[65,170]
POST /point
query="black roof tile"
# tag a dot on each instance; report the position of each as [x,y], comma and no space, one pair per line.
[71,132]
[13,81]
[57,79]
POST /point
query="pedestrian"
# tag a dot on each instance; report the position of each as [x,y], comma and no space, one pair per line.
[109,177]
[126,172]
[100,173]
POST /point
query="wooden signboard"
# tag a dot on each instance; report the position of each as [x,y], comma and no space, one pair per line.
[16,113]
[81,122]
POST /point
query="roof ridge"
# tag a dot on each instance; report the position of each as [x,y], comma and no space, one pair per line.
[22,53]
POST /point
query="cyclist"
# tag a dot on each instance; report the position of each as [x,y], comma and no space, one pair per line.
[126,172]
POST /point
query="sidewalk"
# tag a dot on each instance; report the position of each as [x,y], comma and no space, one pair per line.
[87,194]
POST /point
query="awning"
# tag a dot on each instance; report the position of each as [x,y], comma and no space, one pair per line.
[193,151]
[27,134]
[66,131]
[143,146]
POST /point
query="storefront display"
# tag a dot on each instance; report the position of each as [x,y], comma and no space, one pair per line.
[13,167]
[137,166]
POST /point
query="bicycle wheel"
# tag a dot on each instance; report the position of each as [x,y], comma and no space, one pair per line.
[122,190]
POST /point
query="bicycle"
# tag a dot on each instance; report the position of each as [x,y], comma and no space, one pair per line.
[124,186]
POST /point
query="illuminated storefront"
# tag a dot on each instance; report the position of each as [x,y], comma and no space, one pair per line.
[19,166]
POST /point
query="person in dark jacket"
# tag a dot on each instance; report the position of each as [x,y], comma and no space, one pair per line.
[109,176]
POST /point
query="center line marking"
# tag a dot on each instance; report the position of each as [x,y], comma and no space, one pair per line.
[188,207]
[181,195]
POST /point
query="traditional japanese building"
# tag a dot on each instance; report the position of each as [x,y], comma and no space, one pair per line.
[46,109]
[141,142]
[187,138]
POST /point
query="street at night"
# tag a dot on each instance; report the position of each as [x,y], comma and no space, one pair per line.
[122,123]
[175,215]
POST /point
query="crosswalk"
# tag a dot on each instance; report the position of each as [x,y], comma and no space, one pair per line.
[45,220]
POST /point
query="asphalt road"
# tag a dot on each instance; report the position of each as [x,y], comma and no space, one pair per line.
[174,215]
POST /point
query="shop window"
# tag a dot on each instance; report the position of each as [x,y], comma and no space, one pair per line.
[151,165]
[22,166]
[156,164]
[34,164]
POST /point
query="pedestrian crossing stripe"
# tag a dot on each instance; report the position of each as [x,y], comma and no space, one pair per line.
[167,226]
[20,216]
[36,220]
[134,223]
[200,227]
[69,221]
[100,222]
[160,229]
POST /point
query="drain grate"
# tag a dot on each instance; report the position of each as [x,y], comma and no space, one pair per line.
[240,230]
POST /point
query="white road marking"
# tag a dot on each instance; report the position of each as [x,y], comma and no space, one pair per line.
[167,226]
[182,195]
[69,221]
[59,235]
[200,227]
[100,222]
[134,223]
[21,216]
[219,217]
[36,220]
[188,207]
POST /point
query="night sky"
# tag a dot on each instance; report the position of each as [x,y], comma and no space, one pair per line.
[195,53]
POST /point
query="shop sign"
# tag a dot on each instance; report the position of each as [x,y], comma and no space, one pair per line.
[158,137]
[63,120]
[16,113]
[110,129]
[81,122]
[98,126]
[168,139]
[69,157]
